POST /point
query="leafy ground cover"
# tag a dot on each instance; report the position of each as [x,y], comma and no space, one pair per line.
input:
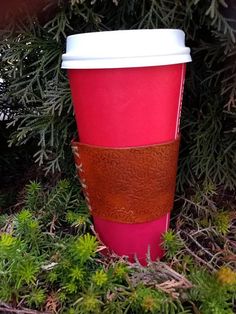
[51,260]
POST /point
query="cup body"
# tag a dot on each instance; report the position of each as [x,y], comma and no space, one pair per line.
[128,106]
[123,108]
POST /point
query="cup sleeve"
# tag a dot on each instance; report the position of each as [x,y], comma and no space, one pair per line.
[128,185]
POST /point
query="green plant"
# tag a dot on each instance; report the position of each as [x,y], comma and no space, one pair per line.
[147,299]
[214,297]
[36,297]
[61,268]
[84,248]
[28,228]
[89,303]
[33,194]
[78,220]
[171,243]
[100,278]
[19,266]
[222,222]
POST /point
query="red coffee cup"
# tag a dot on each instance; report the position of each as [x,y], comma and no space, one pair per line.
[127,91]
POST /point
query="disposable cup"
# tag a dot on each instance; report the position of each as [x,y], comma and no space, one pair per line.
[127,91]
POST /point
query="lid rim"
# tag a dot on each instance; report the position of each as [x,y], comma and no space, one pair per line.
[129,30]
[68,56]
[125,62]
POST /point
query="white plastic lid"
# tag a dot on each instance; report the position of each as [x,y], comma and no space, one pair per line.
[125,48]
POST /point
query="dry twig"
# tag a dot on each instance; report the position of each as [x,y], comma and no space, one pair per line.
[6,308]
[160,276]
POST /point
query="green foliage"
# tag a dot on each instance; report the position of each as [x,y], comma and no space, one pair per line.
[120,271]
[28,227]
[89,303]
[214,297]
[3,219]
[210,147]
[172,244]
[77,274]
[36,297]
[58,197]
[19,266]
[43,267]
[148,300]
[26,252]
[26,271]
[222,222]
[84,248]
[33,193]
[78,220]
[100,278]
[62,202]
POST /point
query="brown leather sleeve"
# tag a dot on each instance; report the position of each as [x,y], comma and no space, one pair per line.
[128,185]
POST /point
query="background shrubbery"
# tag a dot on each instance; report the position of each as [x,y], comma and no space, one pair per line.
[48,257]
[37,91]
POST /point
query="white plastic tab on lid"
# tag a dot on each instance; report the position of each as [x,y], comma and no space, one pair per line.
[126,48]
